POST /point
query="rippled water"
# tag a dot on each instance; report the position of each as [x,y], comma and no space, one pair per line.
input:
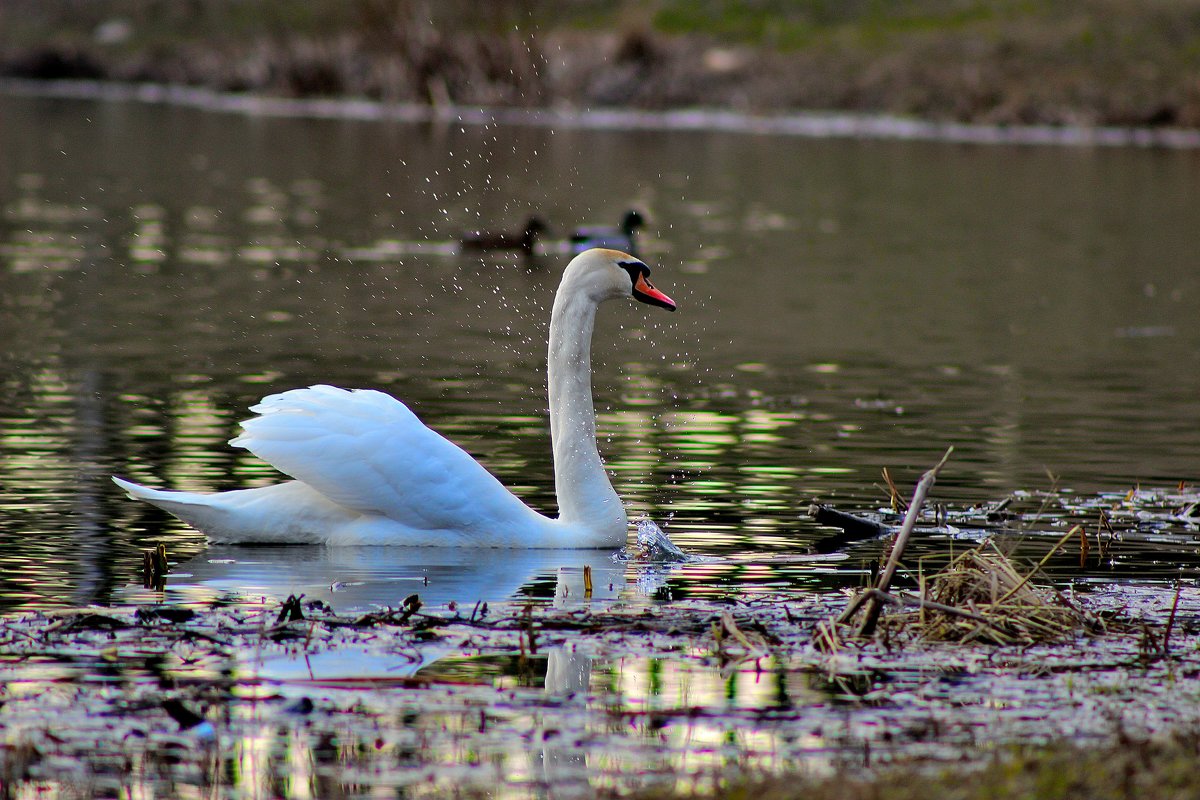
[844,306]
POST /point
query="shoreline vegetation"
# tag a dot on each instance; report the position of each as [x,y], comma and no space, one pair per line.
[1042,64]
[1102,715]
[990,683]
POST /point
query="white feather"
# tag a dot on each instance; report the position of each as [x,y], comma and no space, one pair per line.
[367,471]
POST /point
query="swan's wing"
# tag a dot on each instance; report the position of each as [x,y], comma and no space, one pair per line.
[366,451]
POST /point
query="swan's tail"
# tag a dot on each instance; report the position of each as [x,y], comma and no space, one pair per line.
[201,511]
[284,513]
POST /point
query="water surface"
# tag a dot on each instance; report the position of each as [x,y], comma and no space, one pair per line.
[844,306]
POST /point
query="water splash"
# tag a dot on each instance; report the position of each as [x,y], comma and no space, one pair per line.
[654,545]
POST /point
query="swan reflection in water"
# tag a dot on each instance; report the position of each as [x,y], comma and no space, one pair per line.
[358,579]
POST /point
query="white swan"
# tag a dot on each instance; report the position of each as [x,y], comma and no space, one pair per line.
[367,471]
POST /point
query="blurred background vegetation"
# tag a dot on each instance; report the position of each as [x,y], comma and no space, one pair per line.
[1090,62]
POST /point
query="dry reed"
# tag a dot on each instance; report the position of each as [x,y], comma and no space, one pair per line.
[1004,607]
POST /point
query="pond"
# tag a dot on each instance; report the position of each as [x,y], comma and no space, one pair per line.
[844,306]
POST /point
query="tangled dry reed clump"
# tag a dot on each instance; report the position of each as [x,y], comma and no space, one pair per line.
[995,604]
[979,597]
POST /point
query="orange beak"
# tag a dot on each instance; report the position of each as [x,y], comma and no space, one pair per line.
[644,291]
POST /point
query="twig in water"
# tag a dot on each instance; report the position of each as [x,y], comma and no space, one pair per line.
[290,611]
[1104,525]
[1166,644]
[1050,495]
[752,650]
[922,588]
[155,568]
[1058,545]
[922,603]
[910,522]
[896,500]
[825,637]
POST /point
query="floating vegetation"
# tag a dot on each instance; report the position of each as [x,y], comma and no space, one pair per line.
[993,604]
[434,696]
[981,595]
[161,698]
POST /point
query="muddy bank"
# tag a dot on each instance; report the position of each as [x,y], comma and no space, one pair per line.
[1090,64]
[599,683]
[588,695]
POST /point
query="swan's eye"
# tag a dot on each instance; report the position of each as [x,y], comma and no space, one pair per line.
[634,268]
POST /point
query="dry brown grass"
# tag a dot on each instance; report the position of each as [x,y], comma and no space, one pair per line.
[1014,610]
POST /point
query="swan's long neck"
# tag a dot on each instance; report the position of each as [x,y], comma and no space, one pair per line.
[585,495]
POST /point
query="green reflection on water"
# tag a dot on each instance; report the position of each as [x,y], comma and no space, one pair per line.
[163,268]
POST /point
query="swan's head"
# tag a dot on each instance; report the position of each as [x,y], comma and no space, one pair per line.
[604,274]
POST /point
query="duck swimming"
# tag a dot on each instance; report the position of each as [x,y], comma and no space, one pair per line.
[622,237]
[523,241]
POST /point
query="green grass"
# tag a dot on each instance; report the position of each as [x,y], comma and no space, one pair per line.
[789,25]
[1119,771]
[1122,62]
[785,24]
